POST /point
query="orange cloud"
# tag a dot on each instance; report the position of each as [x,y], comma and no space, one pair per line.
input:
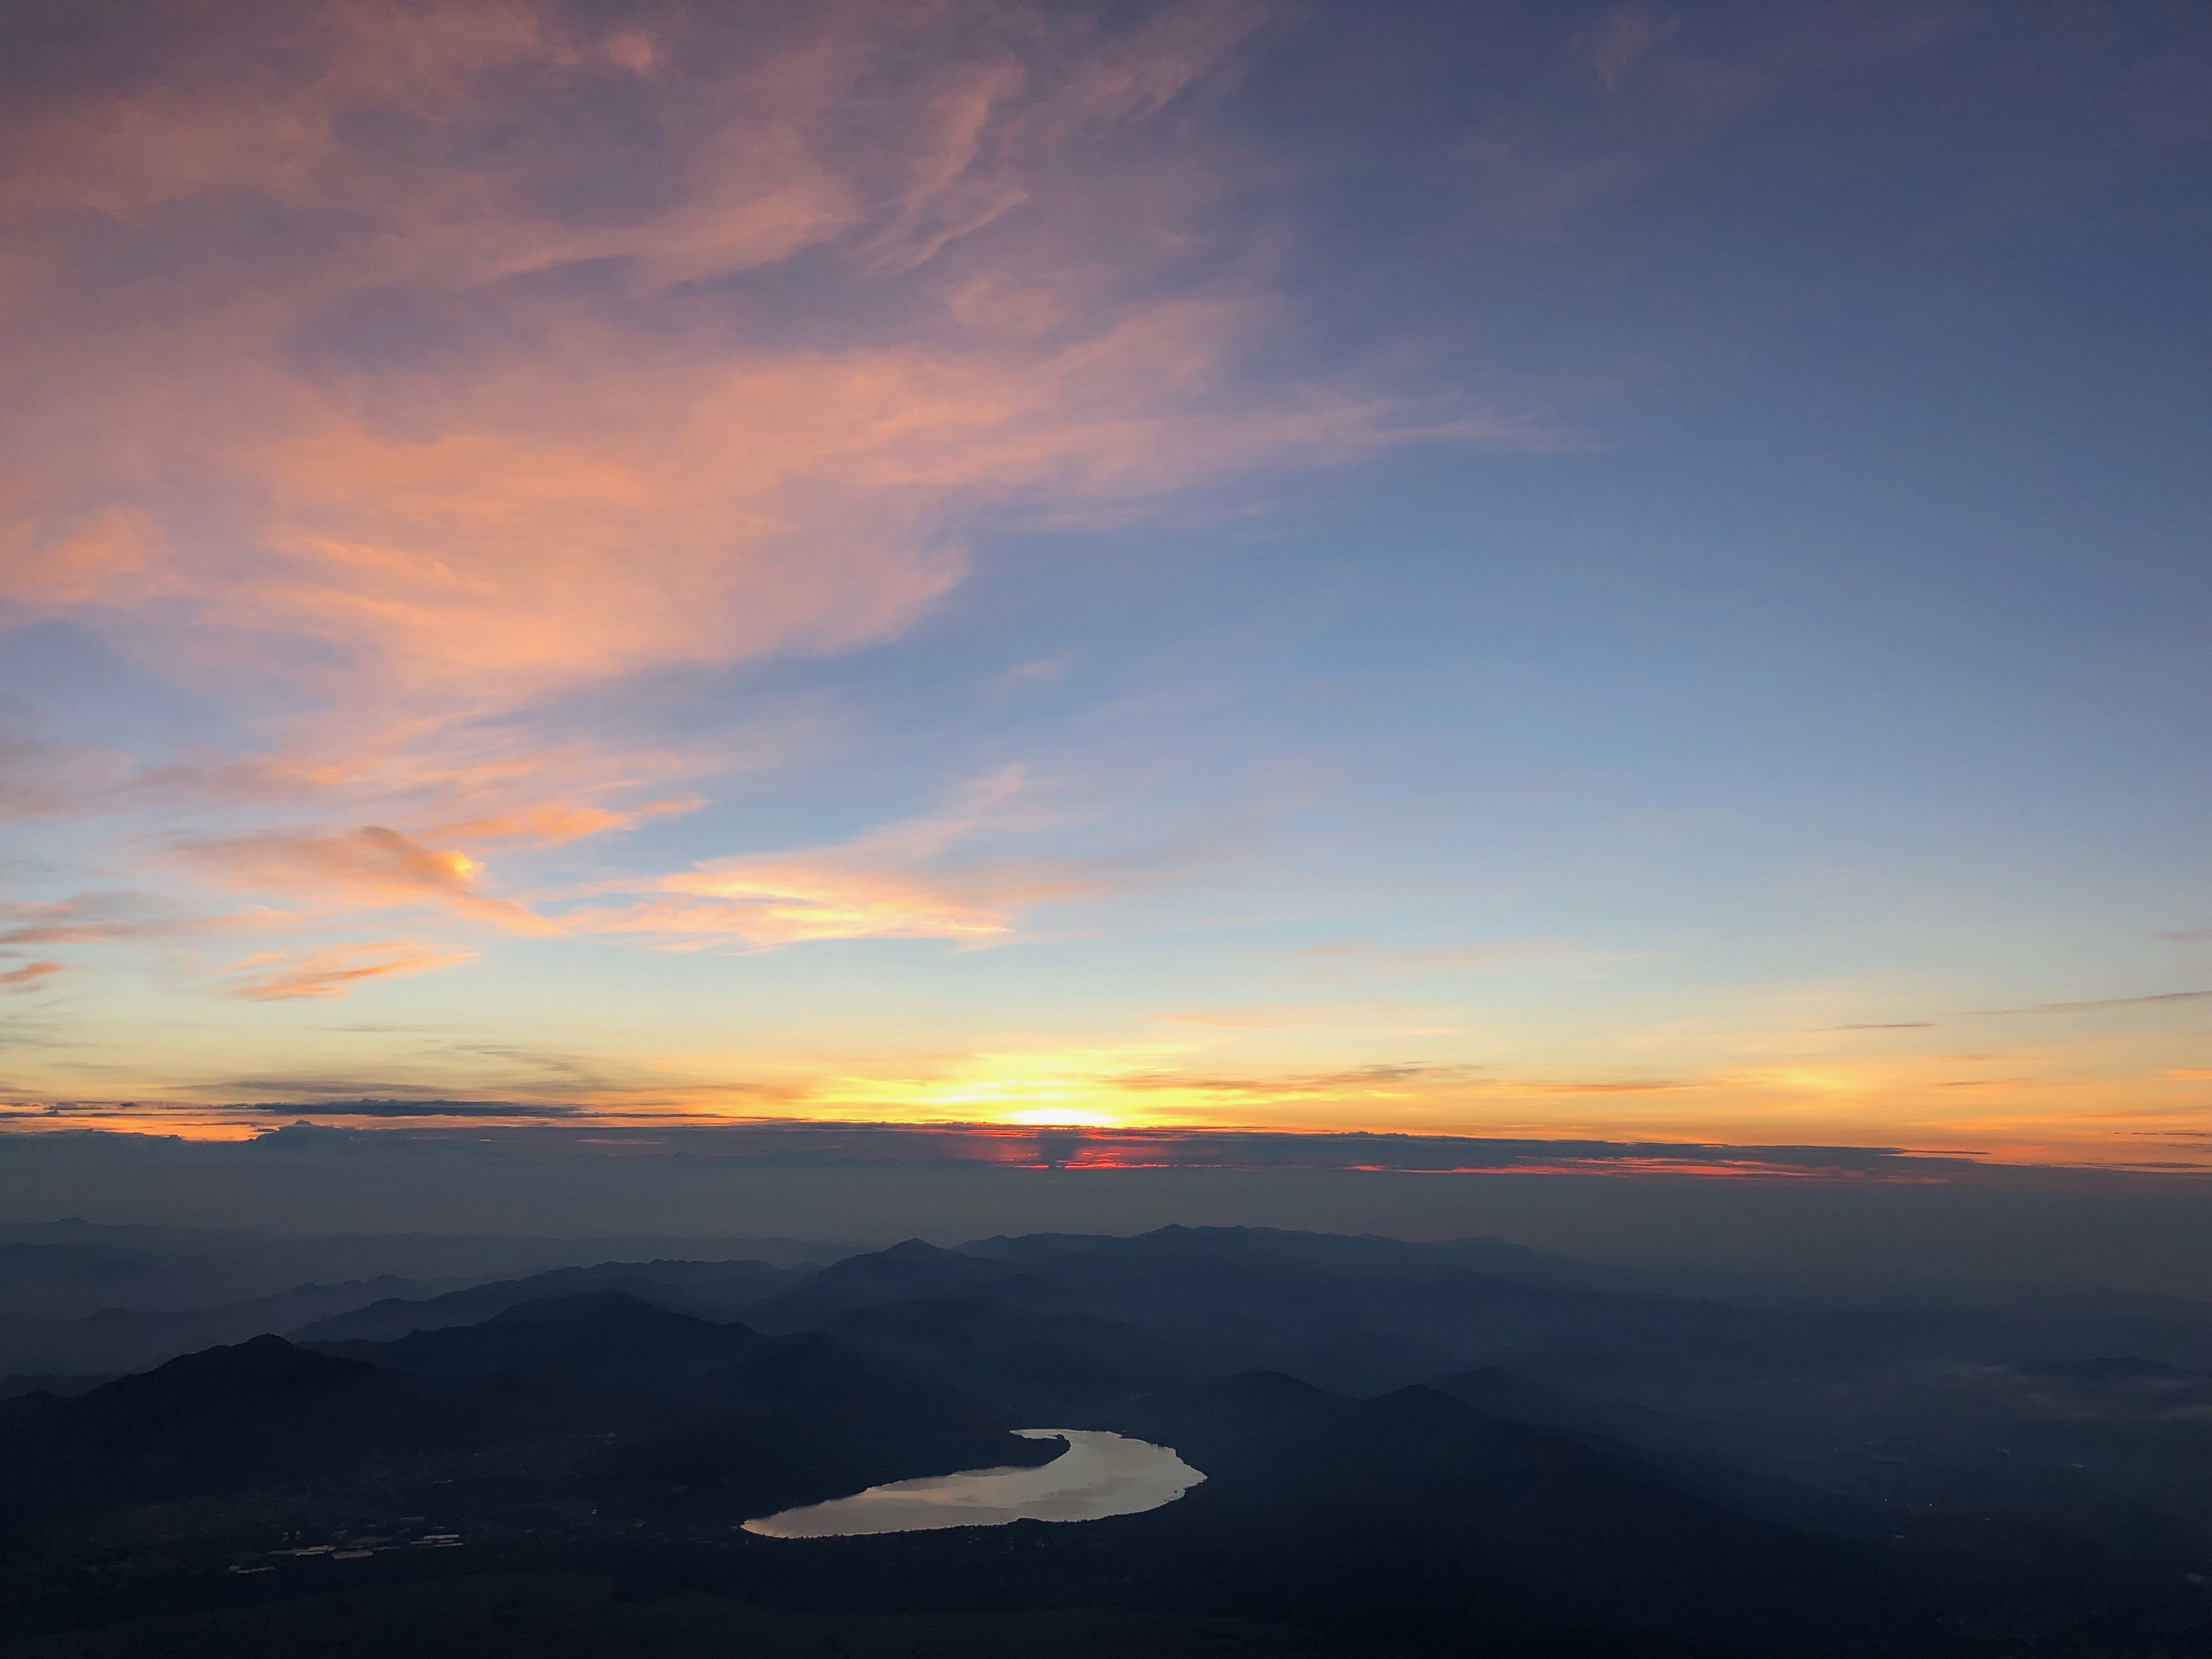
[941,876]
[867,890]
[792,904]
[1630,1086]
[549,824]
[29,973]
[367,868]
[335,972]
[82,561]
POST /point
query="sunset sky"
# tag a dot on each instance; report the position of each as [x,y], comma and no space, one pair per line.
[1530,570]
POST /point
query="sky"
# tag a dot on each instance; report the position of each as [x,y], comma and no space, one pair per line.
[1630,574]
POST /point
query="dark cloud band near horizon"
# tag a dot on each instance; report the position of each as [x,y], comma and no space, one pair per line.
[538,1130]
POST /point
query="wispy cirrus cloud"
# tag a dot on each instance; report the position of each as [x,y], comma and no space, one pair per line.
[1378,1015]
[276,977]
[2161,998]
[456,523]
[961,874]
[37,778]
[552,823]
[1382,1078]
[1616,1086]
[448,364]
[1623,34]
[1548,953]
[29,975]
[98,918]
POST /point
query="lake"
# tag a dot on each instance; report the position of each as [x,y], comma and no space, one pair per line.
[1099,1475]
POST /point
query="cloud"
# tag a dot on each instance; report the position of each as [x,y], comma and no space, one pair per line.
[1362,956]
[549,823]
[778,1145]
[2160,998]
[365,1108]
[1630,1086]
[1385,1078]
[401,387]
[335,972]
[1621,36]
[945,875]
[37,778]
[1042,671]
[1535,160]
[123,917]
[1880,1025]
[368,868]
[29,975]
[1339,1016]
[432,507]
[80,561]
[794,904]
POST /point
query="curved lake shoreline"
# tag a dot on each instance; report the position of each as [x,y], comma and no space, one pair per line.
[1100,1474]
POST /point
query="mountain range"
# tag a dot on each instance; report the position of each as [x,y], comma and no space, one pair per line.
[1407,1450]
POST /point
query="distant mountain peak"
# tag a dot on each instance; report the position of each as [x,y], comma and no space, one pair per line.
[593,1307]
[260,1352]
[915,1249]
[263,1362]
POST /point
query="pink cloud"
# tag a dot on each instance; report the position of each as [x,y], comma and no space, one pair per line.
[21,979]
[587,450]
[457,534]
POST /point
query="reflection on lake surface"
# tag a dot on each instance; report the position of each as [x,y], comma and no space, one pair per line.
[1099,1475]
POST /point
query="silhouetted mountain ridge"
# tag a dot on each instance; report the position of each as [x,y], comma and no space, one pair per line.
[1404,1455]
[707,1289]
